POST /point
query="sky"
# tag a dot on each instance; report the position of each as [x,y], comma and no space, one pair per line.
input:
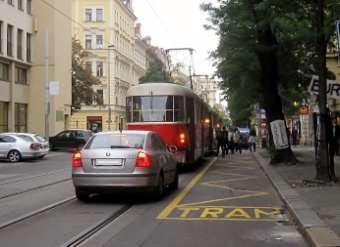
[177,24]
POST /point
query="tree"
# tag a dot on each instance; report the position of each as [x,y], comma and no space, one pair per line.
[248,60]
[82,78]
[155,72]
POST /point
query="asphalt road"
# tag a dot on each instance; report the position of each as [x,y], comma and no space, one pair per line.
[229,202]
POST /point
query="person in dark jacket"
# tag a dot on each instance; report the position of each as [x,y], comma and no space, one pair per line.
[222,141]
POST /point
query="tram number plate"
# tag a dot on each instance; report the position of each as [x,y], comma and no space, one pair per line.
[109,162]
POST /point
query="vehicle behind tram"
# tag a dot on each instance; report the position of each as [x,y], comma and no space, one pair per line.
[177,114]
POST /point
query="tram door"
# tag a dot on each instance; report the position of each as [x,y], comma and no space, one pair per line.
[190,110]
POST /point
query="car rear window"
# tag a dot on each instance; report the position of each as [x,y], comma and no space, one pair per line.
[40,138]
[26,138]
[116,141]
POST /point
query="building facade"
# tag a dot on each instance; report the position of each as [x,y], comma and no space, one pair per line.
[106,29]
[23,26]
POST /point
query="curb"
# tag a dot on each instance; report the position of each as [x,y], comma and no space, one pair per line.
[316,232]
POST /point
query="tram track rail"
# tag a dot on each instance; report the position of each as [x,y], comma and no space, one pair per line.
[96,228]
[35,212]
[34,188]
[17,180]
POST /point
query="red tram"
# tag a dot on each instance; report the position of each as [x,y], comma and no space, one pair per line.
[177,114]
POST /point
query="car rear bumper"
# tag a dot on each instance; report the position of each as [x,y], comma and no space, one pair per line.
[34,154]
[99,181]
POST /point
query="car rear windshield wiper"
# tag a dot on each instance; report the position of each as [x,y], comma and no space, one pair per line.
[117,146]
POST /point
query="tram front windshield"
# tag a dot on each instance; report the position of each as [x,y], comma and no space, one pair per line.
[155,108]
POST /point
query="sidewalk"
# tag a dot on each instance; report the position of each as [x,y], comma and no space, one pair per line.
[316,208]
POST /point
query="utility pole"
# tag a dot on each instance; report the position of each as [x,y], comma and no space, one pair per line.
[47,88]
[191,67]
[110,47]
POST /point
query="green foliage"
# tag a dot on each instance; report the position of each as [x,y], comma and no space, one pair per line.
[155,73]
[82,79]
[236,55]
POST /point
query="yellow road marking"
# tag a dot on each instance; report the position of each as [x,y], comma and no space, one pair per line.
[228,213]
[167,211]
[224,199]
[196,211]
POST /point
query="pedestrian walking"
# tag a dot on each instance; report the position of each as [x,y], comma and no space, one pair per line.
[294,136]
[252,140]
[219,139]
[237,141]
[225,141]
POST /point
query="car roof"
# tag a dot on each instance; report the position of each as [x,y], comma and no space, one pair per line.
[19,133]
[76,130]
[142,132]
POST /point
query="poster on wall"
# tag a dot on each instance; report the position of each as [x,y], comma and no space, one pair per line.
[279,133]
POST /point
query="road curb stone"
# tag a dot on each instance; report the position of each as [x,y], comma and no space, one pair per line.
[314,229]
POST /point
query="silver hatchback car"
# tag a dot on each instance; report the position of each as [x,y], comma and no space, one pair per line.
[127,160]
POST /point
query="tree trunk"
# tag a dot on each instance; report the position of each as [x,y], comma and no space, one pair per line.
[267,55]
[322,158]
[272,101]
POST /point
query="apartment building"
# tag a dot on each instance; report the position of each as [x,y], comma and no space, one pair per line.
[51,28]
[15,64]
[106,29]
[23,25]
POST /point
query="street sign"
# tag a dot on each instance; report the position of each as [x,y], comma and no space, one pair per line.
[54,87]
[279,134]
[332,90]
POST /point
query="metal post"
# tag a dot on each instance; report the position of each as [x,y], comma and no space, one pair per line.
[109,89]
[47,87]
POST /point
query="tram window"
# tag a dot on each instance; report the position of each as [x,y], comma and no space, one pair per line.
[178,108]
[157,108]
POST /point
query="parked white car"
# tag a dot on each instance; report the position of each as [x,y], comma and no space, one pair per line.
[17,146]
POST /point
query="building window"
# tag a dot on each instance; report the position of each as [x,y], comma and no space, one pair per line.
[88,42]
[4,71]
[9,40]
[20,117]
[88,67]
[20,75]
[20,5]
[19,44]
[99,41]
[100,69]
[3,117]
[99,14]
[100,97]
[88,14]
[28,47]
[29,7]
[1,36]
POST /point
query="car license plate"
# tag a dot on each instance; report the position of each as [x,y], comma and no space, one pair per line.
[109,162]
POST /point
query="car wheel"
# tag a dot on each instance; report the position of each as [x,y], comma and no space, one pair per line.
[174,184]
[158,191]
[14,156]
[82,195]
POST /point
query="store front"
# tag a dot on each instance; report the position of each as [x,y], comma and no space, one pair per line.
[94,123]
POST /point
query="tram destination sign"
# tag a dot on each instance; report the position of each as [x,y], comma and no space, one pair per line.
[333,87]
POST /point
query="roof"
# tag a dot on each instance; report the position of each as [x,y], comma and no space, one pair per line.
[145,132]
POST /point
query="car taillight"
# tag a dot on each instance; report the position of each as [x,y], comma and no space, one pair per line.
[143,160]
[35,146]
[182,138]
[76,160]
